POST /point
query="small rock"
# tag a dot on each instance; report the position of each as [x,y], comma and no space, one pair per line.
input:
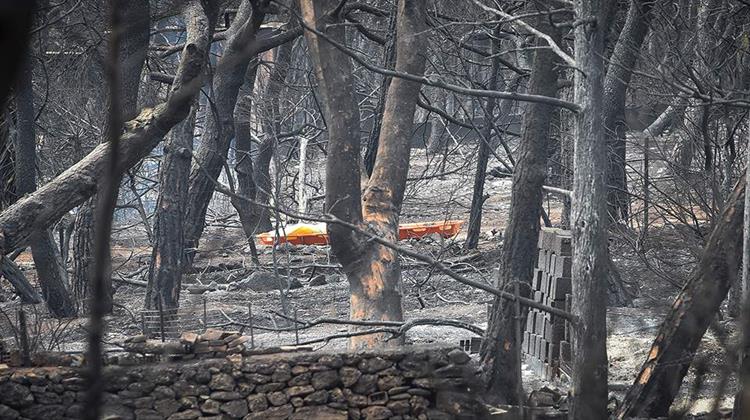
[185,415]
[367,384]
[257,402]
[377,412]
[300,391]
[458,357]
[349,376]
[225,395]
[297,401]
[374,364]
[235,409]
[319,413]
[275,413]
[319,397]
[278,398]
[211,407]
[325,379]
[167,407]
[222,382]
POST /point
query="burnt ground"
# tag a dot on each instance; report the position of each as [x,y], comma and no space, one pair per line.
[224,259]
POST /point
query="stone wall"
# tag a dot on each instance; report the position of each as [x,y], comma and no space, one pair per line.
[404,383]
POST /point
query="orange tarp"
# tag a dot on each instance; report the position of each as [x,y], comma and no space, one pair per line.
[315,234]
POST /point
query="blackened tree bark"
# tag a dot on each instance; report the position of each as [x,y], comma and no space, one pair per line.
[167,262]
[693,310]
[243,167]
[165,270]
[51,273]
[132,55]
[373,271]
[589,216]
[270,113]
[389,59]
[15,19]
[499,350]
[219,131]
[622,63]
[485,143]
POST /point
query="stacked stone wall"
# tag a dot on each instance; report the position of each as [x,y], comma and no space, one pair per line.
[403,383]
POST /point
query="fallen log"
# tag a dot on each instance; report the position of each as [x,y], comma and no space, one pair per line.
[672,352]
[15,277]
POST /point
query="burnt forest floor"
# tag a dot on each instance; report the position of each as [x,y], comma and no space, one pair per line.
[224,259]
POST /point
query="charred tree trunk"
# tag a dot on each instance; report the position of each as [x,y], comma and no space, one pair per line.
[219,131]
[672,352]
[500,349]
[373,271]
[622,63]
[51,274]
[165,271]
[589,216]
[132,55]
[243,168]
[16,278]
[16,21]
[485,143]
[167,262]
[270,112]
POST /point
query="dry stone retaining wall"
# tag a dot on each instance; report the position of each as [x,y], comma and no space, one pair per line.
[404,383]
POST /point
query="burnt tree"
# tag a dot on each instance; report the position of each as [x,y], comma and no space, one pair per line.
[216,138]
[373,270]
[589,215]
[131,57]
[499,354]
[679,336]
[51,274]
[620,70]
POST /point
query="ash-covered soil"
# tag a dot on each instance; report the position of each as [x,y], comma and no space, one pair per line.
[224,259]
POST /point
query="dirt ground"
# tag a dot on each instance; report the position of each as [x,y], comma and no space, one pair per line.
[426,294]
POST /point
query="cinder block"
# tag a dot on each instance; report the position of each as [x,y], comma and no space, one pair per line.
[563,244]
[561,286]
[563,266]
[565,351]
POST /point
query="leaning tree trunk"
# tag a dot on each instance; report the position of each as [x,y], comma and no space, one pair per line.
[373,271]
[131,57]
[78,183]
[219,131]
[499,354]
[589,217]
[622,63]
[51,274]
[693,310]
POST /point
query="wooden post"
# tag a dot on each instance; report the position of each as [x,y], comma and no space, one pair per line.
[23,337]
[296,328]
[252,331]
[161,319]
[205,315]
